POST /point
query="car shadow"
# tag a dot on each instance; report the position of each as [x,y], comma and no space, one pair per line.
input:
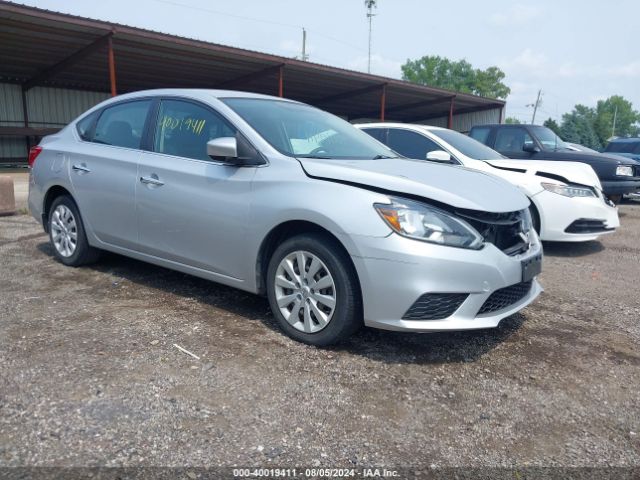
[378,345]
[570,249]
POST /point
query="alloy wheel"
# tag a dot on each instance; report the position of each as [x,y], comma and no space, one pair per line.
[64,231]
[305,291]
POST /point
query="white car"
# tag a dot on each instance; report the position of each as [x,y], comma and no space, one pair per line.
[566,197]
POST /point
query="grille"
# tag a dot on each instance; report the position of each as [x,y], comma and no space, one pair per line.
[501,229]
[505,296]
[585,225]
[435,306]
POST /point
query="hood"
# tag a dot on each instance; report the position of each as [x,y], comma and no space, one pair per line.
[452,185]
[567,172]
[632,156]
[602,158]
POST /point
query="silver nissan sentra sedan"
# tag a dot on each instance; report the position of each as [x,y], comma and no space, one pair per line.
[280,198]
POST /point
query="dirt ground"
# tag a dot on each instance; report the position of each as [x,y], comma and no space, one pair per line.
[89,374]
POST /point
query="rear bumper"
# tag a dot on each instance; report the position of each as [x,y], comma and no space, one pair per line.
[395,271]
[615,187]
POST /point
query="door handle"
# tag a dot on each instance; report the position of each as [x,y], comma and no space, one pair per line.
[81,168]
[151,181]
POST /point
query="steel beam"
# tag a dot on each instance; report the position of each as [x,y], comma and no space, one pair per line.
[281,81]
[112,68]
[71,60]
[400,108]
[27,131]
[250,76]
[349,94]
[451,105]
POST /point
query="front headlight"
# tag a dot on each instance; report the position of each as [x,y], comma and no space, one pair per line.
[624,170]
[568,190]
[424,222]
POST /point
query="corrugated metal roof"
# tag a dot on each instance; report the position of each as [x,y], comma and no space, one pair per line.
[33,39]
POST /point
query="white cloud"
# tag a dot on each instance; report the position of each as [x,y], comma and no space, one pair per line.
[379,65]
[631,69]
[529,60]
[515,15]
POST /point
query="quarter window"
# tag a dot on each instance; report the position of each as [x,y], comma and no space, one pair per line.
[184,128]
[122,125]
[410,144]
[85,125]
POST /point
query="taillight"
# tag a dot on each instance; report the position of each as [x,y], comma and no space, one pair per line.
[33,154]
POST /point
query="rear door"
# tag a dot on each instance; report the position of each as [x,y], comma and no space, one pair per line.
[104,169]
[191,209]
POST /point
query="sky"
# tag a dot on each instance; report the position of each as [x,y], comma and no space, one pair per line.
[574,51]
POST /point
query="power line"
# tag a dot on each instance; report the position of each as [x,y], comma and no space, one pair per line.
[259,20]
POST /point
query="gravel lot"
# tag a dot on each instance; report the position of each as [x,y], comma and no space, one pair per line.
[89,374]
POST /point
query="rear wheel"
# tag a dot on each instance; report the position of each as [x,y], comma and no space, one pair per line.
[313,290]
[615,198]
[67,234]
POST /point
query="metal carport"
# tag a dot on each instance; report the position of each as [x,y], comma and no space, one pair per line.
[41,48]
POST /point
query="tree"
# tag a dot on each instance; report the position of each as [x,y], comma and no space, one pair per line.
[455,75]
[578,127]
[625,116]
[551,124]
[512,121]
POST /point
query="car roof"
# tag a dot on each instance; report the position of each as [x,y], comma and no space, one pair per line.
[505,125]
[410,126]
[625,140]
[197,93]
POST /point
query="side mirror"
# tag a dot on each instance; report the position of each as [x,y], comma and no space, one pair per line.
[225,148]
[439,156]
[530,147]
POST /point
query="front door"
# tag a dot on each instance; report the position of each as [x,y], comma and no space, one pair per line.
[511,142]
[191,209]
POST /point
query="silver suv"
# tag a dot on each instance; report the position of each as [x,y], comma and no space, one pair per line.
[279,198]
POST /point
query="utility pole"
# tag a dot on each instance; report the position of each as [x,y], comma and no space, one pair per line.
[304,57]
[613,129]
[370,4]
[535,106]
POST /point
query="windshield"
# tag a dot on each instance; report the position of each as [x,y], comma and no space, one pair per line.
[467,145]
[548,139]
[302,131]
[622,147]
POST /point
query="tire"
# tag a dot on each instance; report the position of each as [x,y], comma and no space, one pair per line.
[617,199]
[535,218]
[67,234]
[312,320]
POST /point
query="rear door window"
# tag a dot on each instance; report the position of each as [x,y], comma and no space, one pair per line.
[410,144]
[184,128]
[122,125]
[377,133]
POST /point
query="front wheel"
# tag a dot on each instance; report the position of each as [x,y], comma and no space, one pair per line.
[313,290]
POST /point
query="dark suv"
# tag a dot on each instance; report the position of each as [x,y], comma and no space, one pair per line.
[618,175]
[627,147]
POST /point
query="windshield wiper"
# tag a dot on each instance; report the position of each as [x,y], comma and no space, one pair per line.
[382,157]
[315,156]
